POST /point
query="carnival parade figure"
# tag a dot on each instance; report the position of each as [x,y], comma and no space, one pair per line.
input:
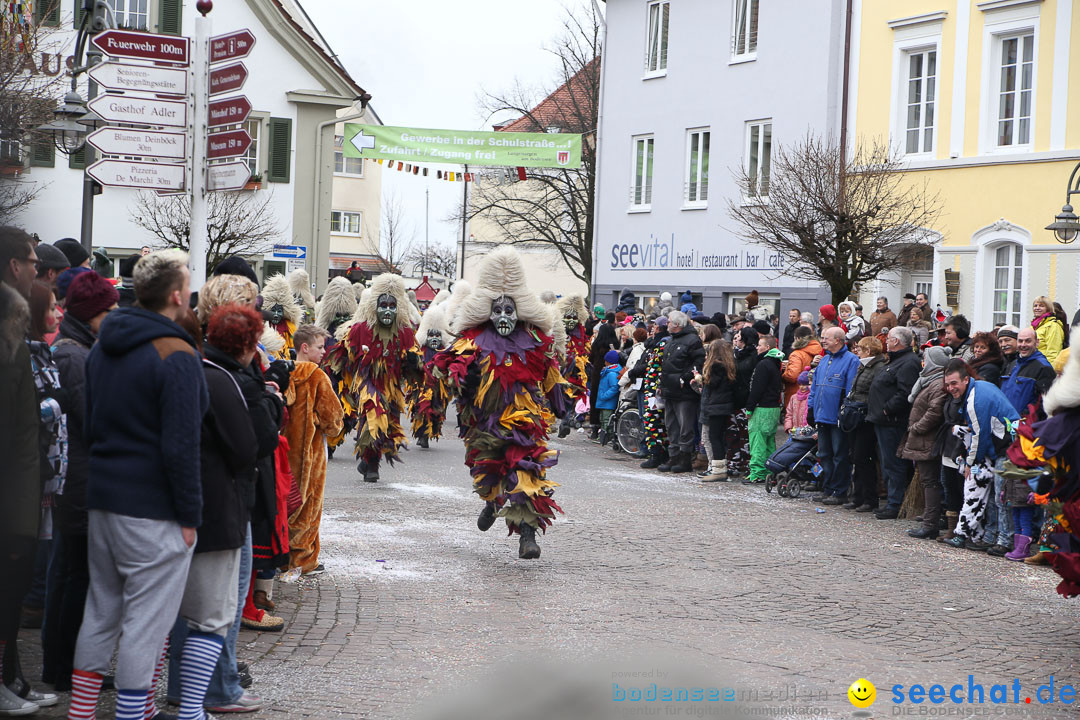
[504,370]
[573,314]
[428,397]
[337,307]
[374,361]
[300,287]
[285,314]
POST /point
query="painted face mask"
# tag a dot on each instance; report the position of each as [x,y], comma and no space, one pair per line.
[570,321]
[277,312]
[434,339]
[386,310]
[504,315]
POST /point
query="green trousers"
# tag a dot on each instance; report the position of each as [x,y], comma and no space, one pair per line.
[763,421]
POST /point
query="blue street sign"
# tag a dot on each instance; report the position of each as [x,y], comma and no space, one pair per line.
[298,252]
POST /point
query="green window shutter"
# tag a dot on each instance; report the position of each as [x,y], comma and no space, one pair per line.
[77,160]
[42,153]
[79,12]
[279,134]
[170,16]
[47,12]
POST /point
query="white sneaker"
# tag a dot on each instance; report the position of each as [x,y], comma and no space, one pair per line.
[12,705]
[42,699]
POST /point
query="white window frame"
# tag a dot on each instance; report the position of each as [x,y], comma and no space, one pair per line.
[341,216]
[749,36]
[1014,286]
[754,194]
[339,154]
[909,39]
[254,127]
[644,204]
[986,241]
[1003,24]
[737,303]
[147,12]
[696,178]
[656,65]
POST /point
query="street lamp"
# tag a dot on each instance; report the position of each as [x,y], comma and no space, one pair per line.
[68,133]
[1066,225]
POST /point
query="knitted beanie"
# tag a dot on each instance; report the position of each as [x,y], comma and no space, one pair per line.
[90,295]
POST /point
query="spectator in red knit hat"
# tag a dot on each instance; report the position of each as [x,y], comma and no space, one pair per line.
[827,318]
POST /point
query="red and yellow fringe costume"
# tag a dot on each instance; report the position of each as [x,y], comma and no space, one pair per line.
[575,369]
[505,423]
[370,386]
[427,403]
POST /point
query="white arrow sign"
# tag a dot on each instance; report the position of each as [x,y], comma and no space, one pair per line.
[227,176]
[141,78]
[145,175]
[140,143]
[134,110]
[361,141]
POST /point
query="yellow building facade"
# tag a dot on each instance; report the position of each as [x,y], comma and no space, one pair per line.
[982,97]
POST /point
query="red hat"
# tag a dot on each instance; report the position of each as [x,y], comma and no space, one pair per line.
[90,295]
[828,312]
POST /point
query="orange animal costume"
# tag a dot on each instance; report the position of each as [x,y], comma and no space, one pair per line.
[314,415]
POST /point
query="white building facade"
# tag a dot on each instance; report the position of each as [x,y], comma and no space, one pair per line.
[692,92]
[296,88]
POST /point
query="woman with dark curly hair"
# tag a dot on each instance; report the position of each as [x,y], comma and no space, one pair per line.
[989,361]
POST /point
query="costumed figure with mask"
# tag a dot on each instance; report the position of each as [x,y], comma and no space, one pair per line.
[337,307]
[300,287]
[573,315]
[504,370]
[285,314]
[374,361]
[428,397]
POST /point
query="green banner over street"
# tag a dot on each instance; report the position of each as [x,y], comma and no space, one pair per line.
[472,147]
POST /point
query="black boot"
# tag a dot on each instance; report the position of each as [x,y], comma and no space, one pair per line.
[655,460]
[422,441]
[672,461]
[684,463]
[564,428]
[487,517]
[603,437]
[527,547]
[371,472]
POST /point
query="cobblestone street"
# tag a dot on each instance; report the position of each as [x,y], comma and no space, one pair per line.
[692,584]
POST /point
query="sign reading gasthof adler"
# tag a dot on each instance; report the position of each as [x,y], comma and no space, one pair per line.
[472,147]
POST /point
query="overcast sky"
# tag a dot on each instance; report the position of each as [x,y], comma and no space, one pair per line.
[425,62]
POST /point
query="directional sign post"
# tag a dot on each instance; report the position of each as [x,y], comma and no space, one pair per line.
[229,111]
[227,144]
[140,143]
[144,175]
[143,46]
[134,110]
[227,78]
[227,176]
[297,252]
[233,46]
[141,78]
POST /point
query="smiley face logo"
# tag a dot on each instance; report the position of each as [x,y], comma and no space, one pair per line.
[862,693]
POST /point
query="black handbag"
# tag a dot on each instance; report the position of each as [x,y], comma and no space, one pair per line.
[852,414]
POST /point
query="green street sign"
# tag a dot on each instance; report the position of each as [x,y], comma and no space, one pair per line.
[459,147]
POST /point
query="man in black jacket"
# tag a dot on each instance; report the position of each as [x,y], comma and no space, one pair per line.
[887,409]
[684,354]
[794,320]
[604,340]
[763,407]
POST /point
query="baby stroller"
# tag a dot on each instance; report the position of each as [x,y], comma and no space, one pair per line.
[624,428]
[791,467]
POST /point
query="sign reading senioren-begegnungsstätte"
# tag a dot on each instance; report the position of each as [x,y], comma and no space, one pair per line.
[472,147]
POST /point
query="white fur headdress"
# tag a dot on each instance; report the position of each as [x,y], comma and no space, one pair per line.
[414,308]
[548,297]
[575,304]
[276,292]
[271,339]
[434,319]
[385,284]
[300,286]
[462,290]
[1064,394]
[440,297]
[337,300]
[502,273]
[558,330]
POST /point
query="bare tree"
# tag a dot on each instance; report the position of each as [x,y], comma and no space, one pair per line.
[397,233]
[237,223]
[437,258]
[32,78]
[553,207]
[845,221]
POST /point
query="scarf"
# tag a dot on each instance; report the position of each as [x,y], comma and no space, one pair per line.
[934,360]
[1036,322]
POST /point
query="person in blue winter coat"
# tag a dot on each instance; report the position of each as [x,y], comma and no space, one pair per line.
[831,383]
[989,427]
[688,305]
[607,396]
[1030,375]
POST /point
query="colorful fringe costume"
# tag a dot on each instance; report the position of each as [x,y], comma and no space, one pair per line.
[428,397]
[371,365]
[275,294]
[506,382]
[653,417]
[573,315]
[337,307]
